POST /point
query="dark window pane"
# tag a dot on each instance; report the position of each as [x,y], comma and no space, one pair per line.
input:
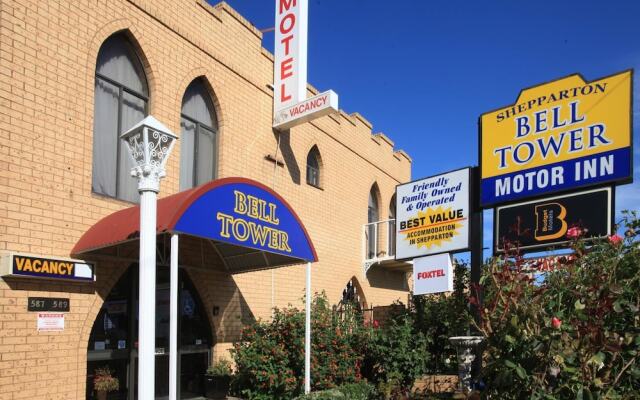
[313,167]
[111,329]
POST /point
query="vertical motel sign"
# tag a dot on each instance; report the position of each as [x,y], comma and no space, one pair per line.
[290,104]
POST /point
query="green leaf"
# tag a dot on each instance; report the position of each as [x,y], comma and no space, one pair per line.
[597,359]
[617,307]
[578,305]
[521,372]
[509,364]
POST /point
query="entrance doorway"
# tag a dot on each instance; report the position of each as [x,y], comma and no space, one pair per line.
[113,342]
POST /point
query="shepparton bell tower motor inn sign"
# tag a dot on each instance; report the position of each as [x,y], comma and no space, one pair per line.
[558,136]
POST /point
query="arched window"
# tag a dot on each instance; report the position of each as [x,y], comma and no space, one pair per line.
[373,216]
[198,125]
[313,167]
[121,101]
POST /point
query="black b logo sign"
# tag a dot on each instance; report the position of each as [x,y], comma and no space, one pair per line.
[550,221]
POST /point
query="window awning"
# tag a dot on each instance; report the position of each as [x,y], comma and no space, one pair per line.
[249,225]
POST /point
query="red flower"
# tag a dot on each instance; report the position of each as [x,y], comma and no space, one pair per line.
[615,239]
[574,232]
[376,324]
[556,323]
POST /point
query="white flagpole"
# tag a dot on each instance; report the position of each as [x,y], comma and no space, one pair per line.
[307,334]
[173,319]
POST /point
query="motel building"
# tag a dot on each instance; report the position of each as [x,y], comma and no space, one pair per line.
[250,205]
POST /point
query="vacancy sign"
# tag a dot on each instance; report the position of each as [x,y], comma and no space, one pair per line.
[50,322]
[558,136]
[432,215]
[432,274]
[312,108]
[290,104]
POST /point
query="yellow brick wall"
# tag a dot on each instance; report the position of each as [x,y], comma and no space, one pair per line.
[48,53]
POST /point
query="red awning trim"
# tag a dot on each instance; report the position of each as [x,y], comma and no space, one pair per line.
[124,225]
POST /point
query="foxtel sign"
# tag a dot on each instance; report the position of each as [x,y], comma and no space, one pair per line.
[432,274]
[290,104]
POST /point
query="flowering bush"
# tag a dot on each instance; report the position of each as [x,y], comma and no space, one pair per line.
[398,355]
[270,355]
[103,381]
[574,335]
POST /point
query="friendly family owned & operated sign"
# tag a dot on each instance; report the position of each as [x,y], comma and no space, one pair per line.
[558,136]
[432,215]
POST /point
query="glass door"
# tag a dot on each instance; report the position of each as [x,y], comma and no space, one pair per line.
[111,346]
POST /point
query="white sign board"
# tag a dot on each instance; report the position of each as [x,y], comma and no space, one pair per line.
[432,215]
[290,64]
[312,108]
[432,274]
[50,322]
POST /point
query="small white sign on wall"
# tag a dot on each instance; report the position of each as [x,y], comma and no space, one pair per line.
[50,322]
[432,274]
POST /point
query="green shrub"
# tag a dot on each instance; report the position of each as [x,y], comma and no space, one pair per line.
[398,354]
[358,391]
[350,391]
[441,316]
[329,394]
[270,355]
[222,367]
[574,335]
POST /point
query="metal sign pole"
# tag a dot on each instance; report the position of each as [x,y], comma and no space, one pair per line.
[476,242]
[307,333]
[476,256]
[173,319]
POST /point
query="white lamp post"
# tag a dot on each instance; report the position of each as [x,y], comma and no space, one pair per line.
[149,143]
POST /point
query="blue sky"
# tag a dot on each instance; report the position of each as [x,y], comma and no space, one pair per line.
[422,72]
